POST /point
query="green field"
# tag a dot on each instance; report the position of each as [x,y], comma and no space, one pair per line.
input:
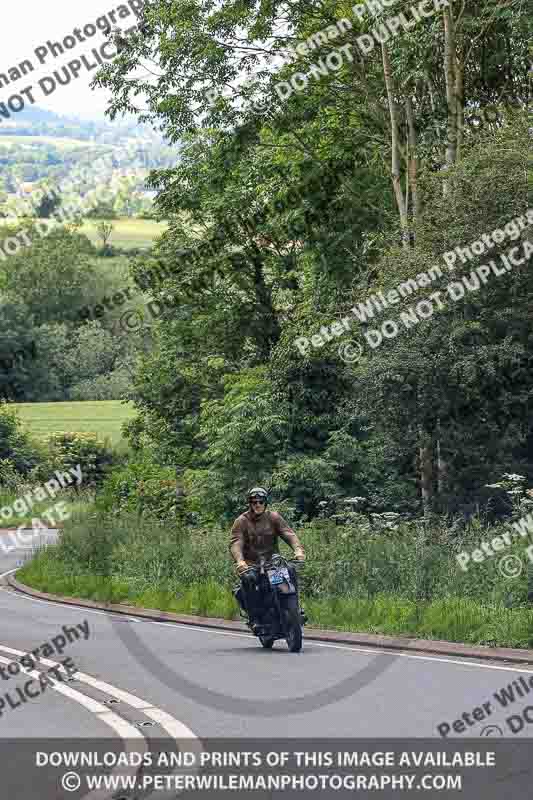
[127,233]
[103,417]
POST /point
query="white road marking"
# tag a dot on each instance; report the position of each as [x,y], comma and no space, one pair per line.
[175,728]
[349,648]
[98,613]
[117,694]
[9,572]
[132,737]
[112,719]
[444,659]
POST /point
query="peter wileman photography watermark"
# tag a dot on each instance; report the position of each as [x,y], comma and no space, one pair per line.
[131,320]
[377,303]
[390,27]
[38,684]
[23,505]
[455,291]
[295,197]
[97,174]
[505,697]
[49,83]
[510,566]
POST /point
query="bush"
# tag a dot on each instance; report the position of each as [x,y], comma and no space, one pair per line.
[142,487]
[66,450]
[10,479]
[15,446]
[113,386]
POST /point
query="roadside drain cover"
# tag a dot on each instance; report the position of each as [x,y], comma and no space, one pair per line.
[145,724]
[110,702]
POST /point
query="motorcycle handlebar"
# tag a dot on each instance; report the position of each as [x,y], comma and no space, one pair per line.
[288,561]
[274,563]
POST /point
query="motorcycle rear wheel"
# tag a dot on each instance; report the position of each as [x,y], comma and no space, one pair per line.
[267,642]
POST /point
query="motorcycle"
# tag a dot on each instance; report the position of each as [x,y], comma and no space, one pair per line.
[281,616]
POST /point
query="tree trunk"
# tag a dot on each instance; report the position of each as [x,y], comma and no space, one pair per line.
[395,157]
[459,103]
[426,470]
[441,464]
[413,159]
[451,100]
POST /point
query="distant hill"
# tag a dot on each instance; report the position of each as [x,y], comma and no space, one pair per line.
[38,145]
[35,121]
[33,114]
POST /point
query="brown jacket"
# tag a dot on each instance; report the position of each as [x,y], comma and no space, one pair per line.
[252,538]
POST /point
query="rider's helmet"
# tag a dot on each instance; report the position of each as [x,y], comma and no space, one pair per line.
[258,493]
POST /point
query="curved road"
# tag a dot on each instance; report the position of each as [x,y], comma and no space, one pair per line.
[167,679]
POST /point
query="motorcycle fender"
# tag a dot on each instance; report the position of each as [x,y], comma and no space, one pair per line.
[286,588]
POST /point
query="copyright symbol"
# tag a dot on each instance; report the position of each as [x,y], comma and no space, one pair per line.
[260,105]
[71,781]
[131,320]
[491,730]
[510,566]
[350,352]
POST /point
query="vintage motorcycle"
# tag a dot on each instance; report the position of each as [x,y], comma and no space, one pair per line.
[280,616]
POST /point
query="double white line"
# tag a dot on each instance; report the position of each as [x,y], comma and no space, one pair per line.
[134,741]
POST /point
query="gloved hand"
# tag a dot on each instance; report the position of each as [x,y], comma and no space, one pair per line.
[242,566]
[299,555]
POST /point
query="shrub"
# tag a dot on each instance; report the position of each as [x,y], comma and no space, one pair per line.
[143,487]
[66,450]
[15,445]
[87,543]
[9,477]
[113,386]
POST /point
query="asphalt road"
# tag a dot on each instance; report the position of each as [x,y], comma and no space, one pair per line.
[191,682]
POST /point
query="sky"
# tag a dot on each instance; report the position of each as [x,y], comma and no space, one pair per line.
[29,24]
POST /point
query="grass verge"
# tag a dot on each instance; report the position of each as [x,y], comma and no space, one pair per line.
[452,619]
[74,504]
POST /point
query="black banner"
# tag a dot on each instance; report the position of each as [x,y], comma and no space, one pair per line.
[488,768]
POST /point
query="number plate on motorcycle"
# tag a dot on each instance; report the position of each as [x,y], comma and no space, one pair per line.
[278,575]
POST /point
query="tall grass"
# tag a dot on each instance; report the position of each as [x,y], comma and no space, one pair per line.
[75,503]
[404,582]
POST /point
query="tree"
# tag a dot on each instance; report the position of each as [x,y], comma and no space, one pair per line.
[104,230]
[53,274]
[284,210]
[47,205]
[102,210]
[454,391]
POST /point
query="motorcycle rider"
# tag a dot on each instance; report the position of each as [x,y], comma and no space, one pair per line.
[254,535]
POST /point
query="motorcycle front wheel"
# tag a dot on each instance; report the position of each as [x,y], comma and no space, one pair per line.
[293,627]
